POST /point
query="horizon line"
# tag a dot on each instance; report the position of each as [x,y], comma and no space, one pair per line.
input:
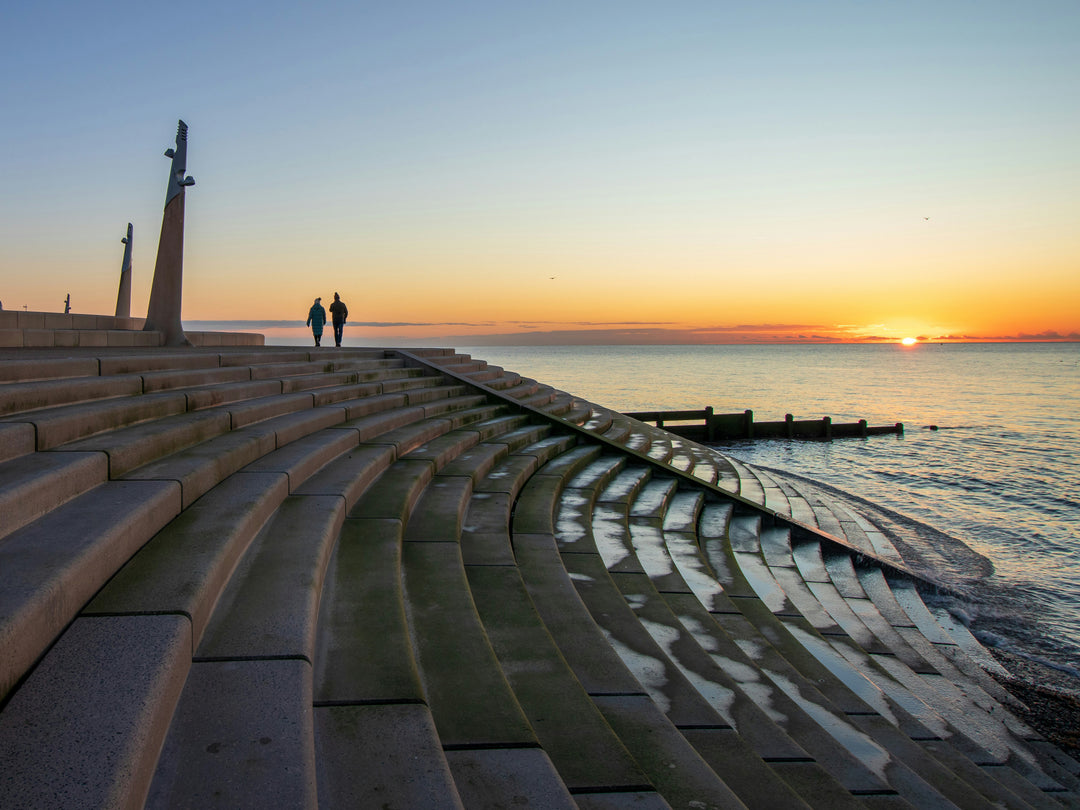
[616,337]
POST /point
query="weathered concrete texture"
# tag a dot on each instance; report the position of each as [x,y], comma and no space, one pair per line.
[185,567]
[350,474]
[621,800]
[164,380]
[465,687]
[671,763]
[142,443]
[437,516]
[54,565]
[270,607]
[96,710]
[206,464]
[509,777]
[363,609]
[396,492]
[243,737]
[38,484]
[25,369]
[57,426]
[31,396]
[16,440]
[382,756]
[567,723]
[300,459]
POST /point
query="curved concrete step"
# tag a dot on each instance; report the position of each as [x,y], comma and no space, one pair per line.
[815,637]
[689,669]
[676,770]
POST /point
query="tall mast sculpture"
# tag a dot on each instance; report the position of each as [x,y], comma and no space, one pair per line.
[163,314]
[123,295]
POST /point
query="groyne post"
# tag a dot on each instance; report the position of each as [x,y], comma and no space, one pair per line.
[789,425]
[826,422]
[749,422]
[710,424]
[163,313]
[123,294]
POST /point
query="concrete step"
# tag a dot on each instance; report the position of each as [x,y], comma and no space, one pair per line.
[749,485]
[184,569]
[577,414]
[252,673]
[68,423]
[36,484]
[860,666]
[477,717]
[16,440]
[31,367]
[140,444]
[776,498]
[688,675]
[85,728]
[54,564]
[504,381]
[671,764]
[536,507]
[599,421]
[470,700]
[30,396]
[884,733]
[371,722]
[899,745]
[168,380]
[523,388]
[618,433]
[799,504]
[162,360]
[587,754]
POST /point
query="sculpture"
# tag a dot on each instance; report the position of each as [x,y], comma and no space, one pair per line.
[123,295]
[163,313]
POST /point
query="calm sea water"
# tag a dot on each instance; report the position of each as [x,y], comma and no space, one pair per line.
[1000,474]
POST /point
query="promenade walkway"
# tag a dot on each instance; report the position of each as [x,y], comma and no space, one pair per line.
[282,577]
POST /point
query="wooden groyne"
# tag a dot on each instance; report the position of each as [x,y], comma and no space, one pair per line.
[714,427]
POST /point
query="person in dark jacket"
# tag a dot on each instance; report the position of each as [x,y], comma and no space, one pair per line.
[316,319]
[338,313]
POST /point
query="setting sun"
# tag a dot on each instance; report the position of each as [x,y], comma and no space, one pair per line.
[909,341]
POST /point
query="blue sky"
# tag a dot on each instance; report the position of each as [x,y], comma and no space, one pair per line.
[387,148]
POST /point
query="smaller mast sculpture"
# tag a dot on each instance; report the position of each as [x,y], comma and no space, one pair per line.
[163,314]
[123,295]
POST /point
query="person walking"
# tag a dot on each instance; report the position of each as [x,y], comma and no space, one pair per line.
[338,313]
[316,319]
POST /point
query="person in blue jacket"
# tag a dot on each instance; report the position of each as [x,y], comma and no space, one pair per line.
[316,319]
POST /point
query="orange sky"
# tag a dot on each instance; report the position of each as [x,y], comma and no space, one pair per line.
[697,174]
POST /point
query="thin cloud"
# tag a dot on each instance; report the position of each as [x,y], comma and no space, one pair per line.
[298,324]
[760,327]
[587,324]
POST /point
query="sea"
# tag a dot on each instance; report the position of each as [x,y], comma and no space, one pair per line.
[981,490]
[989,460]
